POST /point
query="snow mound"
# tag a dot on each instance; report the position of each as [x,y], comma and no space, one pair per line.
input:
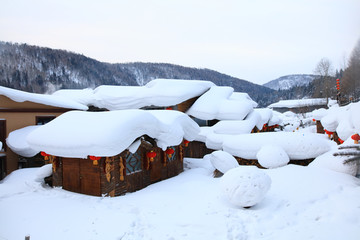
[245,186]
[272,156]
[16,141]
[43,172]
[222,161]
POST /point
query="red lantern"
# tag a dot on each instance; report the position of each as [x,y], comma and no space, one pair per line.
[45,155]
[337,80]
[328,133]
[151,155]
[94,159]
[186,142]
[314,120]
[169,152]
[356,138]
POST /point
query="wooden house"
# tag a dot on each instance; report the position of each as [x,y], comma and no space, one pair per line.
[127,151]
[19,109]
[117,175]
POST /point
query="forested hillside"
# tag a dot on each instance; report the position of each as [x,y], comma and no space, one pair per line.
[40,70]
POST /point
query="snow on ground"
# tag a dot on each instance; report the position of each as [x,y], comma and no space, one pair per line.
[302,203]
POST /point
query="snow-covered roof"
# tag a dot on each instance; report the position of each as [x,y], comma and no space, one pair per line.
[343,120]
[299,103]
[223,104]
[50,100]
[158,92]
[296,145]
[79,134]
[16,141]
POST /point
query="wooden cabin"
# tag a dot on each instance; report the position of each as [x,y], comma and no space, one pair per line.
[120,174]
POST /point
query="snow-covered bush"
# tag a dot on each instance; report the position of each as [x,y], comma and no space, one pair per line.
[335,160]
[222,161]
[245,186]
[272,156]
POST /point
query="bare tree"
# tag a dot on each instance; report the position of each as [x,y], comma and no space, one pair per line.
[325,70]
[351,79]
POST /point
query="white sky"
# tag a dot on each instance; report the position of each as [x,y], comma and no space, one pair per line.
[256,40]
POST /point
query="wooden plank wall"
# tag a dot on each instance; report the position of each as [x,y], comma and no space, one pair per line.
[196,149]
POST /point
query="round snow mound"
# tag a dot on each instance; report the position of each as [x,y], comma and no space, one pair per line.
[222,161]
[272,156]
[245,186]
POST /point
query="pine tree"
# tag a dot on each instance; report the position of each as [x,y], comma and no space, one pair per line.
[353,154]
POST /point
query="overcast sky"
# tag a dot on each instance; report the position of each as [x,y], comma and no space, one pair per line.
[255,40]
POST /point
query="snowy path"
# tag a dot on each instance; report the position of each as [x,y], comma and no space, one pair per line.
[303,203]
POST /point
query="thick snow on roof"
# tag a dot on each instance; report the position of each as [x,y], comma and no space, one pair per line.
[50,100]
[223,104]
[79,134]
[158,92]
[17,141]
[298,103]
[83,96]
[296,145]
[343,120]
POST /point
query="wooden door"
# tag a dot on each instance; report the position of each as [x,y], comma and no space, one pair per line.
[89,178]
[71,174]
[81,176]
[3,134]
[156,167]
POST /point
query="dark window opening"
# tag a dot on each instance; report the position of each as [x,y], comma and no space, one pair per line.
[42,120]
[3,134]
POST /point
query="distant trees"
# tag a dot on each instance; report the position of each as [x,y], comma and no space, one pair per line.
[350,83]
[325,70]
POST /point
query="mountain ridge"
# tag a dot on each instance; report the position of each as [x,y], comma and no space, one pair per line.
[44,70]
[290,81]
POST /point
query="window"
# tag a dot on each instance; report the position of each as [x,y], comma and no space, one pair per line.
[133,162]
[41,120]
[173,156]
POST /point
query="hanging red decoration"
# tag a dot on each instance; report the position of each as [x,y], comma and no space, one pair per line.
[186,142]
[337,80]
[151,155]
[169,152]
[341,141]
[328,133]
[94,159]
[356,138]
[314,120]
[45,155]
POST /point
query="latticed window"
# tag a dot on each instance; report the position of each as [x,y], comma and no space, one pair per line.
[173,156]
[133,163]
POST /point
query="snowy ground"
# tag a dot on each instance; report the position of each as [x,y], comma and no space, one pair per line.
[302,203]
